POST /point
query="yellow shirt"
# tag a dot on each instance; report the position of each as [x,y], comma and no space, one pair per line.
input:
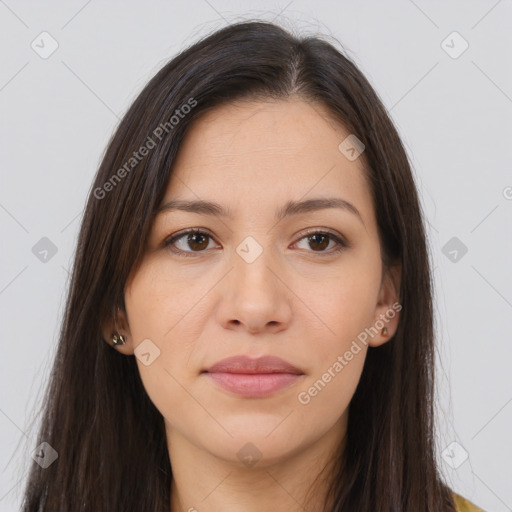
[464,505]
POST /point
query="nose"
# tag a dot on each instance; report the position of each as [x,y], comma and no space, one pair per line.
[255,296]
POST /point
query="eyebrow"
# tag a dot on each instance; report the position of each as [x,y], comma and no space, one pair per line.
[290,208]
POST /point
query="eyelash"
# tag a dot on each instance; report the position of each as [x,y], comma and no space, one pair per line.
[342,244]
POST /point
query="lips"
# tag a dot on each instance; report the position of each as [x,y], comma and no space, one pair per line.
[253,378]
[247,365]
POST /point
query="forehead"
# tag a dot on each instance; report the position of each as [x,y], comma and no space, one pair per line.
[260,153]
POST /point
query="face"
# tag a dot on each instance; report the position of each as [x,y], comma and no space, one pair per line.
[302,287]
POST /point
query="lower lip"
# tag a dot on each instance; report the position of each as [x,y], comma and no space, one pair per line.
[254,385]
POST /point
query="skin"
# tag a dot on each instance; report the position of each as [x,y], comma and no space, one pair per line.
[298,300]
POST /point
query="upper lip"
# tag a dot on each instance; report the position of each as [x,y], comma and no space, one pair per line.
[248,365]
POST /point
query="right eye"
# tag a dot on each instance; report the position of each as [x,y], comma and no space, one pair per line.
[195,239]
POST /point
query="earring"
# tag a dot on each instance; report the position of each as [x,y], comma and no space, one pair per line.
[118,339]
[384,331]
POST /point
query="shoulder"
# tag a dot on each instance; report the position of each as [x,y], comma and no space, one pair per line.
[463,505]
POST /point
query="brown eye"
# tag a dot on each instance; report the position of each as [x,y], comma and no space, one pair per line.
[197,241]
[319,241]
[191,241]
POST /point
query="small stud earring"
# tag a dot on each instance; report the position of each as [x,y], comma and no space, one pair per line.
[118,339]
[384,331]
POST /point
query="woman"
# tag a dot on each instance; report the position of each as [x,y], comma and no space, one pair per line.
[249,321]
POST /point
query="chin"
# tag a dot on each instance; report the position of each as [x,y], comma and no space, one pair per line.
[261,445]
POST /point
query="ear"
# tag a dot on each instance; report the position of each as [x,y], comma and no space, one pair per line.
[118,322]
[388,306]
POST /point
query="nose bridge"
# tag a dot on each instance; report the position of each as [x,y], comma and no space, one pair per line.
[253,261]
[253,295]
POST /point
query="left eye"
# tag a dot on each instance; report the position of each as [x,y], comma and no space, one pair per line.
[322,239]
[198,241]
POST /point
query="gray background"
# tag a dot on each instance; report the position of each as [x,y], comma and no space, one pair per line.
[455,118]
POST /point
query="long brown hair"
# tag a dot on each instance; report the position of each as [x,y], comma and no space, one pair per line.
[110,438]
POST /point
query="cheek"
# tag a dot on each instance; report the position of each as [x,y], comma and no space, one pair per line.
[160,309]
[342,309]
[336,358]
[341,305]
[159,304]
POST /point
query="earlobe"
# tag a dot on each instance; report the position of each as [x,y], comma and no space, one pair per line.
[383,336]
[116,332]
[118,339]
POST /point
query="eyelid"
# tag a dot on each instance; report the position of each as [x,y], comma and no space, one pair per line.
[327,231]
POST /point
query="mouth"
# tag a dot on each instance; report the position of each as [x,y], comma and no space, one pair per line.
[253,378]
